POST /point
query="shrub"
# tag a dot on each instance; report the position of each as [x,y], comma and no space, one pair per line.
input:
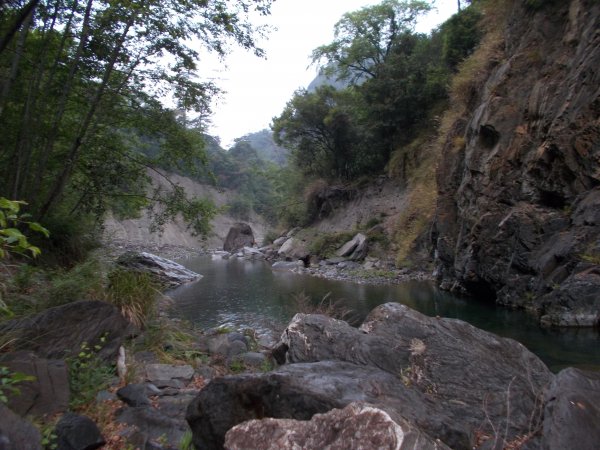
[302,303]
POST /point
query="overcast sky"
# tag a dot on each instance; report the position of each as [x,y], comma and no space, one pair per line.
[258,89]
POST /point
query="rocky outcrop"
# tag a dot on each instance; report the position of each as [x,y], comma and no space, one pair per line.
[240,235]
[357,426]
[445,377]
[519,197]
[166,272]
[60,331]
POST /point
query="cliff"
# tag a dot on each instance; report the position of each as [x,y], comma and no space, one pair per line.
[518,213]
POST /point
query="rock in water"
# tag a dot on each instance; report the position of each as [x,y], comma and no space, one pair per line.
[240,235]
[357,426]
[445,377]
[167,272]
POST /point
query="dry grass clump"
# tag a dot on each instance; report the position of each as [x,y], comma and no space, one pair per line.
[336,309]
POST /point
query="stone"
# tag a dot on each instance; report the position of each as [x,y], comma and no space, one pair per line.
[357,426]
[293,248]
[168,372]
[240,235]
[575,303]
[135,394]
[572,411]
[227,344]
[434,373]
[253,253]
[168,273]
[77,432]
[60,331]
[287,265]
[48,393]
[280,240]
[355,249]
[17,433]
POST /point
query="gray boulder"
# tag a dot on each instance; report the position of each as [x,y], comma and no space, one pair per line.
[156,372]
[48,393]
[572,412]
[17,433]
[294,249]
[60,331]
[168,273]
[449,379]
[240,235]
[76,432]
[356,427]
[355,249]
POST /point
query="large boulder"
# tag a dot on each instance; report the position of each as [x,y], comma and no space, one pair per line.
[168,273]
[17,433]
[451,380]
[293,248]
[60,331]
[240,235]
[357,426]
[76,432]
[572,412]
[355,249]
[48,393]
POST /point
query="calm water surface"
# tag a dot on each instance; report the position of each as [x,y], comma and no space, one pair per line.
[242,293]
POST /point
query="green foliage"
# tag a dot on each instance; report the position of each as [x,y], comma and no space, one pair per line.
[88,374]
[364,38]
[325,245]
[186,441]
[237,366]
[9,381]
[82,119]
[460,34]
[12,240]
[134,293]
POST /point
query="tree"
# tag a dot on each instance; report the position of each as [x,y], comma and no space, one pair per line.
[80,89]
[364,39]
[318,128]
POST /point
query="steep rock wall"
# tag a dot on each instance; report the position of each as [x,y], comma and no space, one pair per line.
[518,216]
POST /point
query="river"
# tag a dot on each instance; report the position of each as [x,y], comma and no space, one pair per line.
[240,293]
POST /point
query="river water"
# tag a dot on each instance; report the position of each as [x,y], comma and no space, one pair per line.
[241,293]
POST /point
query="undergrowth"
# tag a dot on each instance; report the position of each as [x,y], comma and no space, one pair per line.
[326,244]
[303,303]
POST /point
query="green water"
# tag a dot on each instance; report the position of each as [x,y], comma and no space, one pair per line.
[242,293]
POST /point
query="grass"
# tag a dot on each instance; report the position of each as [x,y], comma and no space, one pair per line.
[302,303]
[134,293]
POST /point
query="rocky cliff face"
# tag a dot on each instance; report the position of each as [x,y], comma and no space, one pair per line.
[518,216]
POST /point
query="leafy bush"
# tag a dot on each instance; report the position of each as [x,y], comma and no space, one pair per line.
[88,374]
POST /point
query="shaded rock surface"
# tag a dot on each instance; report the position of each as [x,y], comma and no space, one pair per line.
[167,272]
[77,432]
[48,393]
[240,235]
[572,412]
[518,216]
[443,376]
[60,331]
[293,248]
[16,432]
[357,426]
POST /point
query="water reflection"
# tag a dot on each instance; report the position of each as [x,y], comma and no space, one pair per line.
[246,293]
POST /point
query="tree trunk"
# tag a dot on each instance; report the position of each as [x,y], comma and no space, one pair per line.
[21,18]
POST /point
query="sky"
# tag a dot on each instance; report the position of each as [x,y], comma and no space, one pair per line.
[257,89]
